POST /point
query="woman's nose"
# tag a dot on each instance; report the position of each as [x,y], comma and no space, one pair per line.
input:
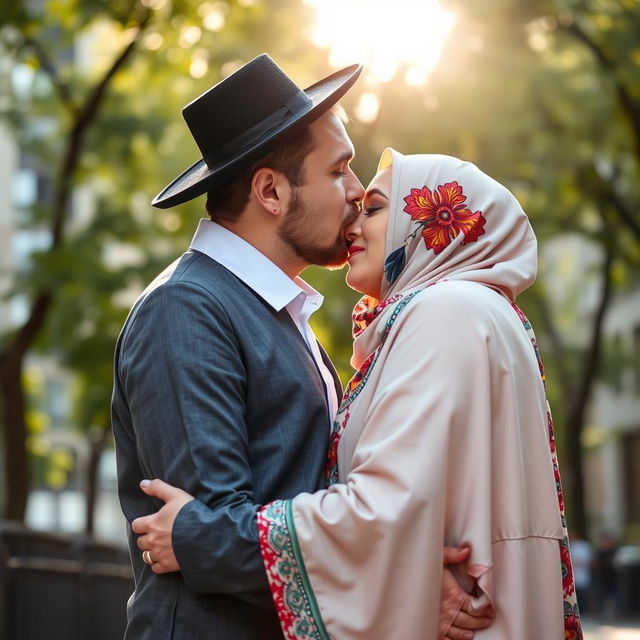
[353,229]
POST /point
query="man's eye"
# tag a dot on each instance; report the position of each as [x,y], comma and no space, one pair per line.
[340,173]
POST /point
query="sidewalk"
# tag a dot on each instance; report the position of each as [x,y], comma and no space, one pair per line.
[607,630]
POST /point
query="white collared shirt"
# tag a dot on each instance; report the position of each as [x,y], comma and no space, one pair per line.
[271,283]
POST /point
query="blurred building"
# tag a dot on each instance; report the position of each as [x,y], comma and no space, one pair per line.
[612,435]
[613,461]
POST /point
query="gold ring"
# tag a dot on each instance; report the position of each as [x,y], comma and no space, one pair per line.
[146,557]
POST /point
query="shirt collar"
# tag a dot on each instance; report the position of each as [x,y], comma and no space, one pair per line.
[253,268]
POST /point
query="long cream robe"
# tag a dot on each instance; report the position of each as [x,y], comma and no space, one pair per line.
[422,469]
[444,440]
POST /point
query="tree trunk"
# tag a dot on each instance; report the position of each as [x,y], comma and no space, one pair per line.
[97,438]
[629,105]
[14,409]
[15,436]
[12,358]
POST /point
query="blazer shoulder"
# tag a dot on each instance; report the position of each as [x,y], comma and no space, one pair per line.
[200,269]
[192,271]
[188,285]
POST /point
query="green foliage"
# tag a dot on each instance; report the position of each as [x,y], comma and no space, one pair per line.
[541,95]
[115,242]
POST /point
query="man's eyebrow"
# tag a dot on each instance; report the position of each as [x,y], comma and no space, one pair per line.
[373,192]
[346,156]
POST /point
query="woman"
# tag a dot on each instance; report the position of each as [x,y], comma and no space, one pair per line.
[444,435]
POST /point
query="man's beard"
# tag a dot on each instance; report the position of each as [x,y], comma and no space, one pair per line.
[297,231]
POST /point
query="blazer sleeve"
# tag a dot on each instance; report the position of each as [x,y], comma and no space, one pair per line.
[182,371]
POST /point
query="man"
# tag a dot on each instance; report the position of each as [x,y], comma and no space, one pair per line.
[220,386]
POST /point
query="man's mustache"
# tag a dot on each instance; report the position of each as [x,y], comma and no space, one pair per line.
[354,212]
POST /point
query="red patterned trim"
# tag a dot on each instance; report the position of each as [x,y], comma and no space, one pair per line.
[290,587]
[572,625]
[357,383]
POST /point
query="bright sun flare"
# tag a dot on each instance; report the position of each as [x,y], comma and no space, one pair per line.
[383,34]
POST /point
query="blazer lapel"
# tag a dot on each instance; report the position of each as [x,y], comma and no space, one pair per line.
[327,361]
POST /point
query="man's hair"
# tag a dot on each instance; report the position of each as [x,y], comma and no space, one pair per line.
[227,201]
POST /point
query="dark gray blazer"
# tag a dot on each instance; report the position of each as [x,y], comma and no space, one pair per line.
[217,393]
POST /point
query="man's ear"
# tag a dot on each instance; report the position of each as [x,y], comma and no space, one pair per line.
[271,190]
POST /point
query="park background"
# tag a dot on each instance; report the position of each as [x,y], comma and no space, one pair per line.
[544,95]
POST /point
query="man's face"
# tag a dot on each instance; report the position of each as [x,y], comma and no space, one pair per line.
[327,201]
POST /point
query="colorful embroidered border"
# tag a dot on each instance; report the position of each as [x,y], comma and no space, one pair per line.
[364,314]
[355,386]
[290,587]
[572,625]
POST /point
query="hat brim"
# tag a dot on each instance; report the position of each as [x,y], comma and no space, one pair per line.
[200,178]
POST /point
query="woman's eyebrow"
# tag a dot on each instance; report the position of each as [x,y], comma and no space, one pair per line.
[373,192]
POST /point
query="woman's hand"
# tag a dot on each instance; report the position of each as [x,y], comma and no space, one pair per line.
[154,531]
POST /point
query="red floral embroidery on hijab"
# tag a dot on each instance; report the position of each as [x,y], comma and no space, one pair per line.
[367,309]
[443,215]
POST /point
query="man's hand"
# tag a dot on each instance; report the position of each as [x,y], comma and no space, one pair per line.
[155,530]
[458,620]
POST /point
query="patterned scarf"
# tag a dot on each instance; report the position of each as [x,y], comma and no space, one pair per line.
[447,221]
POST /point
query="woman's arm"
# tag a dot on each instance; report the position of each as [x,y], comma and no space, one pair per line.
[458,619]
[364,558]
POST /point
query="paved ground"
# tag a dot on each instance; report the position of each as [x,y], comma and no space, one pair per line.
[601,630]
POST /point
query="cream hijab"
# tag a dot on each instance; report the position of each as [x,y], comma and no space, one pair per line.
[447,221]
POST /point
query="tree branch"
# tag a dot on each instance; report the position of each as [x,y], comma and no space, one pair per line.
[604,193]
[85,118]
[629,106]
[25,336]
[61,88]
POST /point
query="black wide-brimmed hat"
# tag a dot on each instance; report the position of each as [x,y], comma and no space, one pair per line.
[244,117]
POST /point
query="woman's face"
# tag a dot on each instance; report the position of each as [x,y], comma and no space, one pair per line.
[366,237]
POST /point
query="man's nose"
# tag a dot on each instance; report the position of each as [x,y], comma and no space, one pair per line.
[355,192]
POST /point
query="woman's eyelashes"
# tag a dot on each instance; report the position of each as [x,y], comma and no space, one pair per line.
[371,209]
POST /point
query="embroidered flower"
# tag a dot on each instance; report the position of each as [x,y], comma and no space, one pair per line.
[552,440]
[556,473]
[572,624]
[443,215]
[360,373]
[367,309]
[572,627]
[567,569]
